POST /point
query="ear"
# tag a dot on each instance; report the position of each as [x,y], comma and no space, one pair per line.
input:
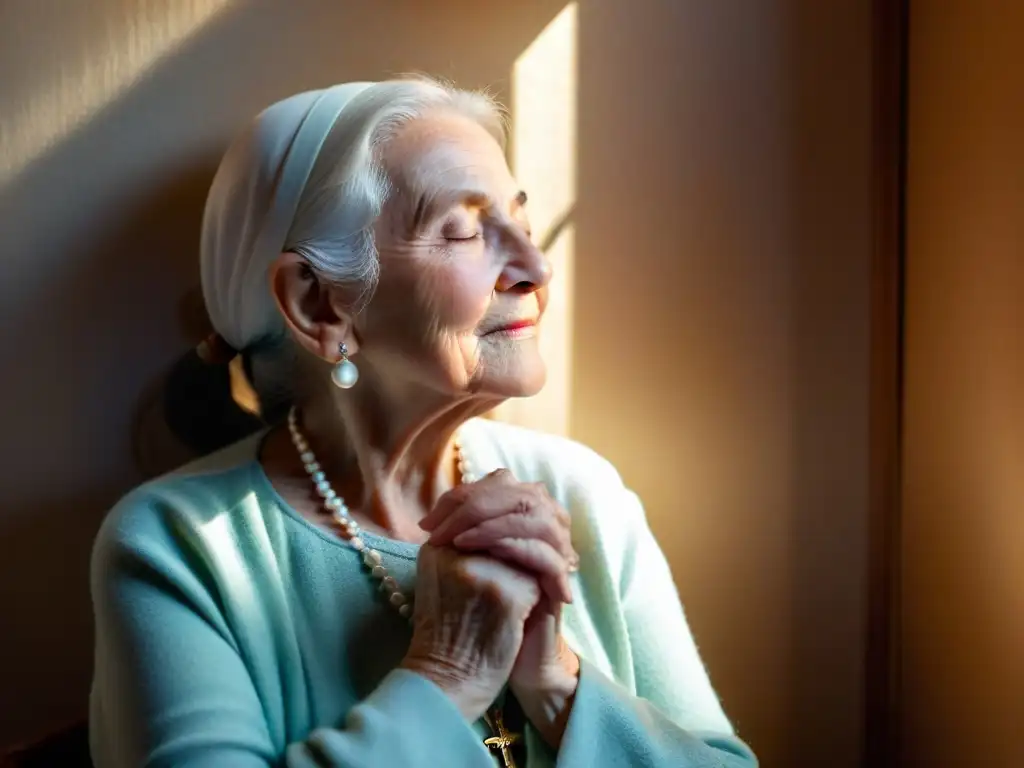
[311,309]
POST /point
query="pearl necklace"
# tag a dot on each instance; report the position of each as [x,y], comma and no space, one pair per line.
[349,528]
[335,505]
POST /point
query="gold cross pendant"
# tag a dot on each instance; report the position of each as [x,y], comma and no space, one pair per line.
[503,738]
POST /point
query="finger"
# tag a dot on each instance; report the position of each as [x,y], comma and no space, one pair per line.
[557,588]
[540,558]
[458,495]
[538,525]
[545,610]
[445,505]
[516,499]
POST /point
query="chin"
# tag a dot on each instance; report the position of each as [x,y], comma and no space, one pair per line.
[525,383]
[519,381]
[509,371]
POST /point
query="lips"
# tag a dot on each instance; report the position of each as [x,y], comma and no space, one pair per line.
[512,327]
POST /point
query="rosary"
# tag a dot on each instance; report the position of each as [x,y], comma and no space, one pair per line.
[503,740]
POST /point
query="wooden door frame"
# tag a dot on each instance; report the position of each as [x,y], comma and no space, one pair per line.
[882,747]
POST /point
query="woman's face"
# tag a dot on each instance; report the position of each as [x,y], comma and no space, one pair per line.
[462,287]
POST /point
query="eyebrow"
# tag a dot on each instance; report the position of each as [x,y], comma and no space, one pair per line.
[429,204]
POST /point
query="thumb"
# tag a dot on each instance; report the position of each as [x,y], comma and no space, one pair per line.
[540,633]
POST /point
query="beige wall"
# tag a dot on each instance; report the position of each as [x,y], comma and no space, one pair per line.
[963,515]
[721,347]
[720,299]
[114,113]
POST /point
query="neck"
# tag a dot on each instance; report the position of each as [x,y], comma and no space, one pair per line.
[391,458]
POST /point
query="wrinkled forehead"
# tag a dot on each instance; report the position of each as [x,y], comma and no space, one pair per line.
[441,159]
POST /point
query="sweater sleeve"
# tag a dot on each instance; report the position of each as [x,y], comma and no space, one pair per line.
[171,689]
[675,719]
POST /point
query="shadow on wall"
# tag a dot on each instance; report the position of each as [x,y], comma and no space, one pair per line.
[101,235]
[830,400]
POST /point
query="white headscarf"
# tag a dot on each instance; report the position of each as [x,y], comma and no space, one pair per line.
[251,204]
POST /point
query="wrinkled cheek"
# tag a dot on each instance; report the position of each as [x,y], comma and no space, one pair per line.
[456,299]
[427,309]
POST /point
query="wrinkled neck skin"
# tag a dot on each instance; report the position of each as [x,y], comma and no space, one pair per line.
[390,454]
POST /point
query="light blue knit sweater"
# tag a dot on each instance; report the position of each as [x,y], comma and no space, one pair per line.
[232,632]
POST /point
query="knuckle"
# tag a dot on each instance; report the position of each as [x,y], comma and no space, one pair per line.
[502,474]
[565,544]
[523,506]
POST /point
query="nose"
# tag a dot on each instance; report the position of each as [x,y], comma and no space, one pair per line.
[527,269]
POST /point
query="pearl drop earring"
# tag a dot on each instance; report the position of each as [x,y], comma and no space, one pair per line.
[344,374]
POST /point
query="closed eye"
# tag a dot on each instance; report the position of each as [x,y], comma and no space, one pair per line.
[464,239]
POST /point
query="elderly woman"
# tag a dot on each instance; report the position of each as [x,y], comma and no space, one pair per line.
[381,577]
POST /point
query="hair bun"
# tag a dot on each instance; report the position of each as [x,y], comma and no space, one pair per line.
[198,405]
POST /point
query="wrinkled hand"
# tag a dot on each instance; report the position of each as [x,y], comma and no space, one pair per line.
[545,660]
[512,521]
[521,524]
[469,621]
[546,673]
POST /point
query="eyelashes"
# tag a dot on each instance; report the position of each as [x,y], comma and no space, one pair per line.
[468,239]
[479,235]
[468,230]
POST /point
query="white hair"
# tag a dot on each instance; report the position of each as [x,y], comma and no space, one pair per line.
[346,191]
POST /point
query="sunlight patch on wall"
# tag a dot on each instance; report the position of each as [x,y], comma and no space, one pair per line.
[543,158]
[94,73]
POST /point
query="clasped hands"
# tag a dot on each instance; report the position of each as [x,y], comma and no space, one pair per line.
[491,582]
